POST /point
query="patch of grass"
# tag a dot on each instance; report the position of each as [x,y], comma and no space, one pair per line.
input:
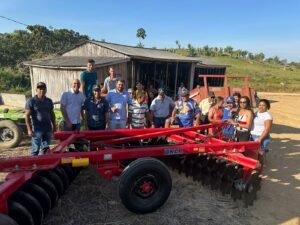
[264,76]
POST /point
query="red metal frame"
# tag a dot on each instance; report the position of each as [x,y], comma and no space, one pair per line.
[200,93]
[107,157]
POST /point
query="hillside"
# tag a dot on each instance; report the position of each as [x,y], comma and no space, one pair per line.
[265,77]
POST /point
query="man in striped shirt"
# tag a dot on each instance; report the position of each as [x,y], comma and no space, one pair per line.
[137,112]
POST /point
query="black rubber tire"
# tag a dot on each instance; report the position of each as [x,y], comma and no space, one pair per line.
[63,176]
[141,171]
[69,171]
[55,179]
[6,220]
[40,194]
[19,213]
[31,204]
[48,186]
[16,131]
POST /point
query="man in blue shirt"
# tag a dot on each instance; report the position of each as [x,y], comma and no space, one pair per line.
[187,110]
[88,79]
[160,108]
[118,100]
[96,111]
[40,120]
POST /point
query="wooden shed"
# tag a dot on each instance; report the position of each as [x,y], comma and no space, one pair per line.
[150,66]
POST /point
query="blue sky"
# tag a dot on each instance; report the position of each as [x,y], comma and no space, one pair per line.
[271,27]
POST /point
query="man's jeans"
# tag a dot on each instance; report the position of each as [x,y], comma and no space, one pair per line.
[40,142]
[117,124]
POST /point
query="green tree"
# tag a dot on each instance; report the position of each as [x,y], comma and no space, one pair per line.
[178,44]
[141,34]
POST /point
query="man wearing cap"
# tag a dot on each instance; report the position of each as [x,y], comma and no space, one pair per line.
[88,78]
[228,112]
[160,108]
[205,105]
[40,120]
[96,110]
[71,106]
[118,100]
[110,81]
[185,111]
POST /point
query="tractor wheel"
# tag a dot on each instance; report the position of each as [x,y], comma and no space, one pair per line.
[10,134]
[145,185]
[6,220]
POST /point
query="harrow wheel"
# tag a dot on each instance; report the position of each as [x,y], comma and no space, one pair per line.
[145,185]
[251,187]
[48,186]
[40,194]
[31,204]
[69,171]
[55,179]
[6,220]
[63,176]
[19,213]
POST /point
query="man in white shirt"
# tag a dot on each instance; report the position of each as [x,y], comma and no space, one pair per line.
[205,105]
[71,106]
[110,81]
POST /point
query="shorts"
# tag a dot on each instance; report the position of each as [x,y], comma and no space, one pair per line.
[264,146]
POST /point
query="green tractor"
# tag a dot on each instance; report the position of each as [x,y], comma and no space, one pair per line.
[13,127]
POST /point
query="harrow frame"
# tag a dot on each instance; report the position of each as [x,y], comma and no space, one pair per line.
[109,149]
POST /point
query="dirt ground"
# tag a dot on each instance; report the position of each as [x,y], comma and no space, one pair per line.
[91,200]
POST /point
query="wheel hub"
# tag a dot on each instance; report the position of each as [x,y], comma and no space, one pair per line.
[145,186]
[6,134]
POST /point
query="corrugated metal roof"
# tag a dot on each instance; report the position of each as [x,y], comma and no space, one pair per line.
[74,61]
[206,62]
[145,53]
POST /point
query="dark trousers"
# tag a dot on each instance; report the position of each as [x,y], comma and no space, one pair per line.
[159,122]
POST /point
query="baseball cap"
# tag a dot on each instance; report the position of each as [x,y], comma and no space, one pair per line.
[184,92]
[96,87]
[41,85]
[161,91]
[230,99]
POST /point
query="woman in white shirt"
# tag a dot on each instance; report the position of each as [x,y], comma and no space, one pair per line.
[262,124]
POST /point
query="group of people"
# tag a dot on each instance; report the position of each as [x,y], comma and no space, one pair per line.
[111,106]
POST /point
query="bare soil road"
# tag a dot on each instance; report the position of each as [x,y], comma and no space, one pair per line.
[91,200]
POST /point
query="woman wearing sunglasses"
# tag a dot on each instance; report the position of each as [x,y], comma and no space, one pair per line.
[244,119]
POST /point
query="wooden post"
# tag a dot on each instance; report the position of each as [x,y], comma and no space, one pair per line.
[176,75]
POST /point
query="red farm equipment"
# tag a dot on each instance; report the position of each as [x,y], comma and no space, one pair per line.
[35,183]
[201,91]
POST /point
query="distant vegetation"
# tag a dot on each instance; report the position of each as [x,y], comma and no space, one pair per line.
[269,74]
[23,45]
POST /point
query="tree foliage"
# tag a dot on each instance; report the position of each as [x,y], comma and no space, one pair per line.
[24,45]
[141,34]
[35,42]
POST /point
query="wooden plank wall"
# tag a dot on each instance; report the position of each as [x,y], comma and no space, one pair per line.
[90,49]
[59,80]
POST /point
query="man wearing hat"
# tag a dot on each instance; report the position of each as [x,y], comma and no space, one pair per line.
[160,108]
[205,105]
[185,111]
[228,113]
[71,106]
[96,110]
[40,120]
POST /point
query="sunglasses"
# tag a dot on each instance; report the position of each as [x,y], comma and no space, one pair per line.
[243,102]
[229,102]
